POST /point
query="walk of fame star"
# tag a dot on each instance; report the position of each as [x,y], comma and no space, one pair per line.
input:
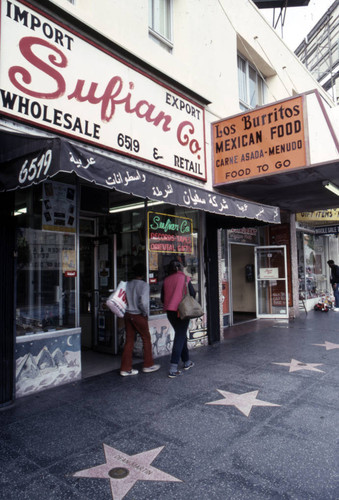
[296,365]
[243,402]
[123,471]
[328,345]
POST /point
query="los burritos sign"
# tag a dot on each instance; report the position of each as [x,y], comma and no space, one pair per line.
[53,77]
[261,142]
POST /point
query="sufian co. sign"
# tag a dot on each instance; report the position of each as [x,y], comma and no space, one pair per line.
[169,233]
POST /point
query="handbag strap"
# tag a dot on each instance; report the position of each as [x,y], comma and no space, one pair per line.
[184,290]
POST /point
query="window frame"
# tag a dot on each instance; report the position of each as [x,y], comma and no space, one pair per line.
[245,74]
[155,33]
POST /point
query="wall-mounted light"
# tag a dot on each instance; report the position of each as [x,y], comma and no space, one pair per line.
[331,187]
[133,206]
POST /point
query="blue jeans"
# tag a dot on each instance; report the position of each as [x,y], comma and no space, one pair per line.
[179,349]
[336,295]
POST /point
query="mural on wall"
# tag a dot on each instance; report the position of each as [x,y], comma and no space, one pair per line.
[45,363]
[162,336]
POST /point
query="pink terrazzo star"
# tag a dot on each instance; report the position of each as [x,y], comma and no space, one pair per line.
[329,345]
[296,365]
[243,402]
[123,471]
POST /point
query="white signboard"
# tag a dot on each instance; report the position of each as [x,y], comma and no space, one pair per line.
[267,273]
[53,77]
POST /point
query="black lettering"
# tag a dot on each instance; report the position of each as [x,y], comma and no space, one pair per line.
[20,16]
[8,99]
[57,117]
[35,22]
[23,105]
[68,121]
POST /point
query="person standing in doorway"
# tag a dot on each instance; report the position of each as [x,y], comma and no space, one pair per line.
[171,295]
[334,280]
[136,320]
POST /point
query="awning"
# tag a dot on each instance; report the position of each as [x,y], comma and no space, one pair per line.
[26,160]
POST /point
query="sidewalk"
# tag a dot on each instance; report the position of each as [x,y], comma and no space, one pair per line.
[256,418]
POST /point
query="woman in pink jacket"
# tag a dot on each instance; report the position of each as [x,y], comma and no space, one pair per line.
[171,295]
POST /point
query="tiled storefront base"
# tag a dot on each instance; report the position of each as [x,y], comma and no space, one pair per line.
[45,360]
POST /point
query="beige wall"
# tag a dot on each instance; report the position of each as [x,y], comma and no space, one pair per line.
[206,37]
[243,292]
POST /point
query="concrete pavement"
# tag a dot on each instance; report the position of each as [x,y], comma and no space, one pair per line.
[256,418]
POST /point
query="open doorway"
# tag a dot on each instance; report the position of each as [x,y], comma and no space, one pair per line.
[98,325]
[243,283]
[111,242]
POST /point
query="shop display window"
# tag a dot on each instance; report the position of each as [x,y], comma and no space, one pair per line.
[46,267]
[172,234]
[312,270]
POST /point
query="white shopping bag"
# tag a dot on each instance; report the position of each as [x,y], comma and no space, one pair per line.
[117,301]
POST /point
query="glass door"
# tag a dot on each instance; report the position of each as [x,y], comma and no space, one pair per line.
[97,281]
[271,282]
[104,283]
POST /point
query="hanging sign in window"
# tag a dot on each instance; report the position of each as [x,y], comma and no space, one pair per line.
[169,233]
[58,207]
[269,273]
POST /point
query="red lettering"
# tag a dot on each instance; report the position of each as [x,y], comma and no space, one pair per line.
[122,295]
[26,48]
[111,97]
[184,139]
[109,100]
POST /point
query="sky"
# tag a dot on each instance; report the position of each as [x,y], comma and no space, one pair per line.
[299,20]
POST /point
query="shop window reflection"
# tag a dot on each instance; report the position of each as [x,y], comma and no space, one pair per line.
[45,271]
[158,261]
[45,281]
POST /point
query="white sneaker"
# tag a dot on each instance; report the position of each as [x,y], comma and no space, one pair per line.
[336,309]
[131,372]
[150,369]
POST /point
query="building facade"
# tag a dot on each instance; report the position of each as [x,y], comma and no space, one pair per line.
[107,151]
[319,51]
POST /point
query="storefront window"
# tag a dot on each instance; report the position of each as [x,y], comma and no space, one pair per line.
[312,269]
[306,264]
[172,234]
[131,245]
[46,265]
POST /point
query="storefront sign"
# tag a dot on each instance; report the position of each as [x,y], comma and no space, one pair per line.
[55,78]
[327,230]
[169,233]
[269,273]
[243,235]
[21,152]
[265,141]
[330,215]
[70,274]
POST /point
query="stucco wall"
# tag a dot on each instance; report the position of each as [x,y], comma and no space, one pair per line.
[206,37]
